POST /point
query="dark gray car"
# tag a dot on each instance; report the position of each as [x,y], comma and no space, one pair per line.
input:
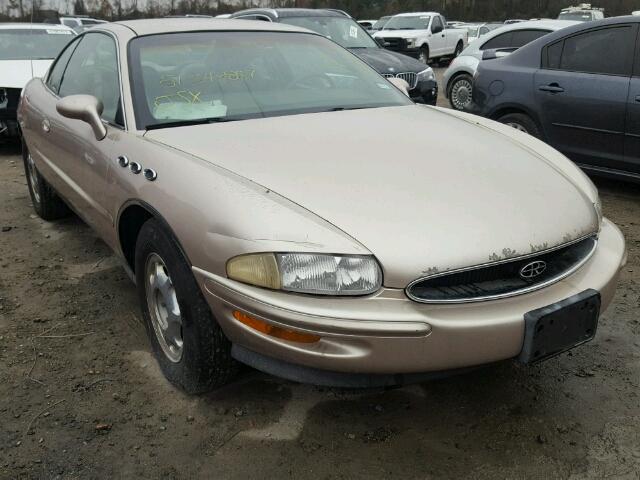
[578,89]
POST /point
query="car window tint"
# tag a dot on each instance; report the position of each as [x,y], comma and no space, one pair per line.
[69,22]
[501,41]
[522,37]
[554,54]
[484,31]
[606,51]
[56,72]
[436,22]
[93,70]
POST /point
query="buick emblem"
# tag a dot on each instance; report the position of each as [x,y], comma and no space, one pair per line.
[533,270]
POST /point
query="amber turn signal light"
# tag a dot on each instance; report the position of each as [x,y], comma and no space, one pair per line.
[274,331]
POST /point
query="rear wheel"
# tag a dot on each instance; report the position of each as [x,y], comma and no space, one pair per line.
[522,122]
[460,92]
[46,202]
[188,343]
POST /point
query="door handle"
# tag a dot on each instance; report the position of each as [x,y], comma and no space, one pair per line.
[638,98]
[551,88]
[46,125]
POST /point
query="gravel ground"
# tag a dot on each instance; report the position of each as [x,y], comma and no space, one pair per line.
[81,396]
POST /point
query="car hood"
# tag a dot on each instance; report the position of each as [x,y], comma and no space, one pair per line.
[423,190]
[16,73]
[386,61]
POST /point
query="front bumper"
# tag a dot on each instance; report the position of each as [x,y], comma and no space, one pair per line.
[387,334]
[425,91]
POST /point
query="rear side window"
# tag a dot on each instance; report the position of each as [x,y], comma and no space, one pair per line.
[522,37]
[554,55]
[606,51]
[501,41]
[57,71]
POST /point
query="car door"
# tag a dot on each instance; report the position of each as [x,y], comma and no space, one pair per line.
[82,161]
[438,40]
[632,130]
[582,90]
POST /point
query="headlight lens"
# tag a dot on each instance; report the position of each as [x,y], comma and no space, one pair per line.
[426,75]
[318,274]
[411,42]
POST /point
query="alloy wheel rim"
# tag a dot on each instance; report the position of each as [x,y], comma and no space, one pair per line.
[461,94]
[517,126]
[33,178]
[164,310]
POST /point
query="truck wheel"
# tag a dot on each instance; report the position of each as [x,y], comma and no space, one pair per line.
[460,91]
[188,343]
[46,202]
[423,56]
[522,122]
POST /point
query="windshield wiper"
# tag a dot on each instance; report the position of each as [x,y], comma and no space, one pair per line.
[186,123]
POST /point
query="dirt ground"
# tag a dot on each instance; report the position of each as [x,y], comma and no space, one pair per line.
[81,396]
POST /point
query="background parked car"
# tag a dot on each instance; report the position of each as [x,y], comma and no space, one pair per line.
[380,24]
[343,30]
[581,13]
[583,99]
[423,36]
[458,78]
[477,30]
[367,24]
[79,23]
[26,51]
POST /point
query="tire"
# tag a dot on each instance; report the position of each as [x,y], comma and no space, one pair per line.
[46,202]
[458,50]
[423,56]
[522,122]
[460,91]
[165,283]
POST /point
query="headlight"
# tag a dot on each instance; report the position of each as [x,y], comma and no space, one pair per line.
[426,75]
[411,42]
[4,98]
[319,274]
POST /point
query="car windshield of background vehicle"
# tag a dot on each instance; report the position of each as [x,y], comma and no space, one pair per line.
[379,25]
[473,31]
[32,44]
[408,23]
[575,16]
[226,76]
[341,30]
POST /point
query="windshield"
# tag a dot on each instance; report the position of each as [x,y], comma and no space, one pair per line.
[577,16]
[380,23]
[344,31]
[32,44]
[225,76]
[408,23]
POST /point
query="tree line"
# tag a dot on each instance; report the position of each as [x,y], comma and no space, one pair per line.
[465,10]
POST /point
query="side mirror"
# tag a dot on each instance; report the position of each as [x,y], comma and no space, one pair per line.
[436,29]
[400,84]
[382,42]
[86,108]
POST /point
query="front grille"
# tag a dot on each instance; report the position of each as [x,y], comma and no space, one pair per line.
[503,279]
[409,77]
[9,98]
[395,43]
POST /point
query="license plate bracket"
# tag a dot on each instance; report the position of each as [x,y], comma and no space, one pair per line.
[559,327]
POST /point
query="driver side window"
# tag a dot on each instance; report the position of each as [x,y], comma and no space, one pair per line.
[437,24]
[93,70]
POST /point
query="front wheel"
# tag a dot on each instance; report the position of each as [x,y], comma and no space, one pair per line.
[521,122]
[460,92]
[188,343]
[423,56]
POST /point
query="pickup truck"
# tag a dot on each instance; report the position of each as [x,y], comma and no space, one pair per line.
[422,35]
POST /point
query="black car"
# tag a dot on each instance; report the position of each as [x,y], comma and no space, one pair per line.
[578,89]
[344,30]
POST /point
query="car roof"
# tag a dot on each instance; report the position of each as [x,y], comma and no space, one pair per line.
[176,25]
[34,26]
[538,24]
[416,14]
[290,12]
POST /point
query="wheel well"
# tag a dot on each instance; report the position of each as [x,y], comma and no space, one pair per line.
[508,110]
[129,225]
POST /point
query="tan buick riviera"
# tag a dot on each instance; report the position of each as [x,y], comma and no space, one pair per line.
[280,204]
